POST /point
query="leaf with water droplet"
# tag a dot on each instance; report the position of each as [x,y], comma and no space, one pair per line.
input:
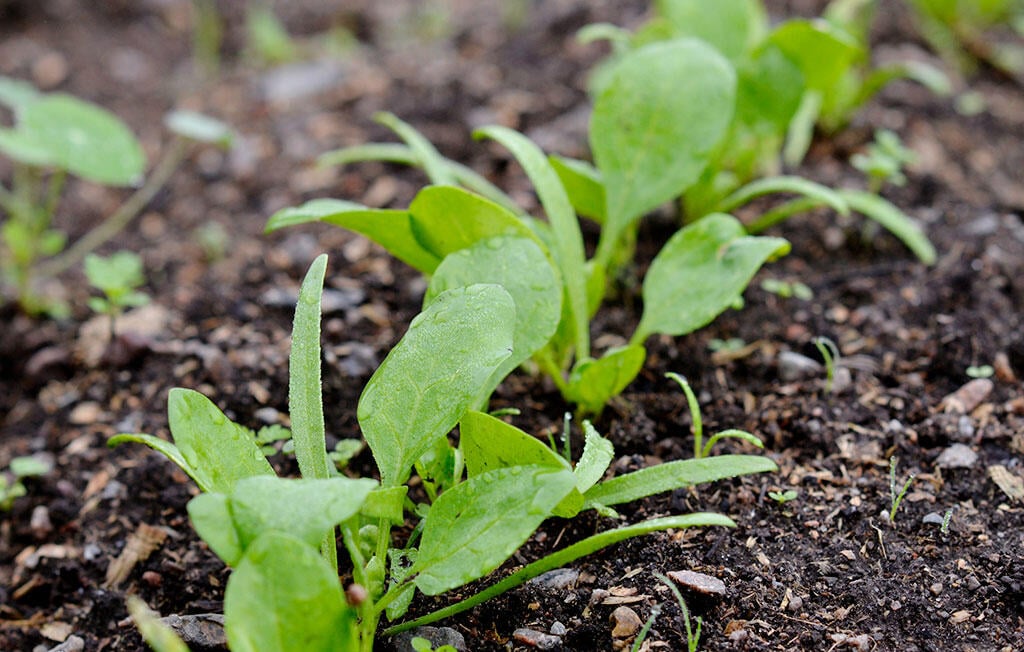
[434,374]
[476,525]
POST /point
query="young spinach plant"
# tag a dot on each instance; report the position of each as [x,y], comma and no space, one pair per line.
[56,135]
[896,493]
[279,534]
[117,276]
[11,485]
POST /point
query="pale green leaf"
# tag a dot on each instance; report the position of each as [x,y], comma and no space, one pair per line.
[478,524]
[597,455]
[654,127]
[675,475]
[593,383]
[199,127]
[16,94]
[391,229]
[520,266]
[446,219]
[823,52]
[568,249]
[784,184]
[211,517]
[894,220]
[582,182]
[700,272]
[284,597]
[157,635]
[84,139]
[731,26]
[426,154]
[434,374]
[305,395]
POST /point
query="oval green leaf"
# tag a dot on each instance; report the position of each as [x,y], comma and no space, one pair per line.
[434,374]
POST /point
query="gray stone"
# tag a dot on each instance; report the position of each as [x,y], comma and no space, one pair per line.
[198,630]
[699,583]
[794,366]
[301,81]
[957,456]
[72,644]
[560,578]
[536,639]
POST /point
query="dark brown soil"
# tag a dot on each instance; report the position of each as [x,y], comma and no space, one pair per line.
[824,571]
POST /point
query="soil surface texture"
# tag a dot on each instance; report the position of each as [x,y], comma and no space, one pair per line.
[826,570]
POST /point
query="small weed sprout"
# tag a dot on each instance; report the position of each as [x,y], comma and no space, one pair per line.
[700,449]
[980,371]
[11,486]
[421,644]
[896,496]
[692,634]
[117,277]
[645,630]
[946,520]
[787,289]
[730,345]
[783,497]
[884,161]
[830,353]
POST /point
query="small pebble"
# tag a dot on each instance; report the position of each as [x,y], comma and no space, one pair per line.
[558,629]
[968,397]
[198,630]
[72,644]
[625,622]
[536,639]
[739,635]
[699,583]
[796,603]
[933,518]
[957,456]
[40,523]
[560,578]
[152,578]
[794,366]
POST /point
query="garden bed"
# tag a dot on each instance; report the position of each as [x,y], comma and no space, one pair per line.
[824,570]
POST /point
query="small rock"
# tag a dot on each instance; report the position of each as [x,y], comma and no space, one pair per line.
[932,518]
[968,397]
[739,635]
[152,578]
[860,642]
[625,622]
[536,639]
[40,523]
[71,644]
[437,636]
[796,603]
[199,630]
[50,70]
[957,456]
[558,629]
[86,413]
[699,583]
[300,81]
[964,428]
[560,578]
[794,366]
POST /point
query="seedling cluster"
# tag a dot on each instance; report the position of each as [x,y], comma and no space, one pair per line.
[505,289]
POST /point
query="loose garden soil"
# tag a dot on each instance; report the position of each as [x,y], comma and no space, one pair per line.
[824,571]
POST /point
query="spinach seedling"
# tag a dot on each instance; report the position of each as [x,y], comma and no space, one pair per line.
[787,289]
[783,497]
[279,534]
[11,485]
[420,644]
[699,273]
[117,277]
[896,493]
[980,371]
[56,135]
[884,161]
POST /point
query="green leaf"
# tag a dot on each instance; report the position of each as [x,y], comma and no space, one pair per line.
[284,597]
[306,508]
[82,138]
[674,475]
[824,52]
[162,446]
[700,272]
[305,398]
[597,456]
[16,94]
[768,90]
[216,451]
[489,443]
[520,266]
[787,184]
[211,518]
[894,220]
[433,163]
[566,556]
[434,374]
[120,271]
[653,129]
[385,503]
[477,525]
[568,249]
[157,635]
[593,383]
[446,219]
[731,26]
[583,185]
[199,127]
[391,229]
